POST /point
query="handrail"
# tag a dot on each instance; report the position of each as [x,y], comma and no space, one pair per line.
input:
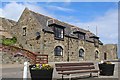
[34,57]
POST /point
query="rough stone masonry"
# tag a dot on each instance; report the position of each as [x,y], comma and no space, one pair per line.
[59,40]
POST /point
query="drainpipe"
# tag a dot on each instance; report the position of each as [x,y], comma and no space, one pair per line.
[43,41]
[68,51]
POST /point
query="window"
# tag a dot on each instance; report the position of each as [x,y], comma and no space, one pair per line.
[59,33]
[81,36]
[96,42]
[24,31]
[58,51]
[96,54]
[81,53]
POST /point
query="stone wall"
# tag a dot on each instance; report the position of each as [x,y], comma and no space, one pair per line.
[46,43]
[74,45]
[111,51]
[28,41]
[8,58]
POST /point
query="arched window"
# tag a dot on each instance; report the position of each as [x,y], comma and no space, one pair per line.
[58,51]
[81,53]
[96,54]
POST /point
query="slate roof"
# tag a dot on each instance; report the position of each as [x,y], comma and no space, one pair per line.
[5,25]
[8,21]
[69,29]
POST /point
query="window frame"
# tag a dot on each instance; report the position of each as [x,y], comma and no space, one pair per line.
[96,54]
[57,52]
[83,36]
[58,33]
[24,31]
[83,53]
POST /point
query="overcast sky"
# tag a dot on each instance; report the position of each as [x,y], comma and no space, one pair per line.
[103,15]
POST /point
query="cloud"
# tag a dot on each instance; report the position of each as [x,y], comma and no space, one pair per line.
[60,8]
[107,26]
[38,9]
[1,13]
[14,10]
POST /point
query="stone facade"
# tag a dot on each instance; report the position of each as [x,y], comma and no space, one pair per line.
[31,23]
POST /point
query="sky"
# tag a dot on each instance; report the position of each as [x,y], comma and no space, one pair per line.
[86,15]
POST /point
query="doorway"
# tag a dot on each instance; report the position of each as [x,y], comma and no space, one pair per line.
[105,56]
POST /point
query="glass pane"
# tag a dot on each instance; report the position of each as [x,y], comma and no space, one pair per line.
[81,36]
[58,51]
[96,54]
[81,53]
[58,32]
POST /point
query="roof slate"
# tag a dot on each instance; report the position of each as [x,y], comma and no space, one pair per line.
[5,25]
[69,29]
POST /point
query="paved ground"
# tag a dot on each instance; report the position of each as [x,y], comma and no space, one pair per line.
[16,71]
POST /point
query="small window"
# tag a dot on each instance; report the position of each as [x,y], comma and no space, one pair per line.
[81,36]
[24,31]
[59,33]
[96,54]
[81,53]
[58,51]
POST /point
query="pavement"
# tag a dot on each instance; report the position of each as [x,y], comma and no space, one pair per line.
[15,71]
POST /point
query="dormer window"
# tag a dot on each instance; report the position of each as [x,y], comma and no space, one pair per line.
[58,32]
[81,35]
[96,40]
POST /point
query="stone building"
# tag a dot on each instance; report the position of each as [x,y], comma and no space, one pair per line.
[5,27]
[61,41]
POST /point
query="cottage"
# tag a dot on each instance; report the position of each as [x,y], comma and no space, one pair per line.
[59,40]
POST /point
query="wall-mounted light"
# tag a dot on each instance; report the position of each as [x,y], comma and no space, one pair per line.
[37,35]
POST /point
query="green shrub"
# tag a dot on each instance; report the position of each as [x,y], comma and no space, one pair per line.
[9,41]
